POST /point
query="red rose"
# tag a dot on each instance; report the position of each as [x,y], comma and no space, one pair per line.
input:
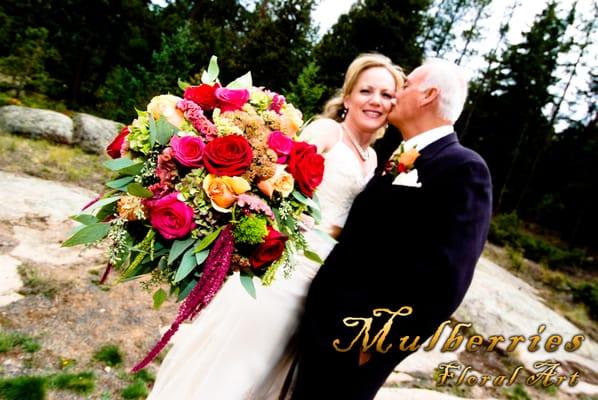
[270,250]
[281,144]
[188,150]
[171,217]
[228,155]
[306,166]
[231,99]
[114,148]
[203,95]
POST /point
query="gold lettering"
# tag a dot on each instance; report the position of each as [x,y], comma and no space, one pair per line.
[575,343]
[380,336]
[445,372]
[462,375]
[475,340]
[544,376]
[484,379]
[494,340]
[515,340]
[534,339]
[553,343]
[455,339]
[412,347]
[514,375]
[573,378]
[436,336]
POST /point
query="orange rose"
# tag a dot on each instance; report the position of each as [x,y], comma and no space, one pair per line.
[290,120]
[408,157]
[223,190]
[165,106]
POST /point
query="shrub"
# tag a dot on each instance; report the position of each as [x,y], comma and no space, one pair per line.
[587,293]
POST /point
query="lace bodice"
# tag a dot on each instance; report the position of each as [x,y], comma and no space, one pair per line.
[343,180]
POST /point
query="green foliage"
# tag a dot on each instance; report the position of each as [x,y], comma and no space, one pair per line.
[277,44]
[81,383]
[109,354]
[25,64]
[507,230]
[306,92]
[35,283]
[10,340]
[251,230]
[517,392]
[516,257]
[588,294]
[23,388]
[136,390]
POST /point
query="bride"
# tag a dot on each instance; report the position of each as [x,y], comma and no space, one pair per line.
[237,348]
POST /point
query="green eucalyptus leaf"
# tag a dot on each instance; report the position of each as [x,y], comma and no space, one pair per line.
[85,219]
[310,255]
[186,266]
[164,131]
[247,282]
[159,298]
[183,85]
[88,234]
[206,241]
[153,131]
[121,183]
[305,200]
[242,82]
[119,163]
[138,190]
[201,256]
[178,248]
[210,76]
[188,288]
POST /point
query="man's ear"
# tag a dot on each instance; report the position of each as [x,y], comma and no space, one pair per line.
[430,95]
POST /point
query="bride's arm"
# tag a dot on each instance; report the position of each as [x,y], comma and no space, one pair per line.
[322,132]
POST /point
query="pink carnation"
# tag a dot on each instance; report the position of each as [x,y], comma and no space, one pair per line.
[277,103]
[254,203]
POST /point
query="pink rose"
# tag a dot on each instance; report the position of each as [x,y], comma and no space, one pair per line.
[232,99]
[171,217]
[187,150]
[281,144]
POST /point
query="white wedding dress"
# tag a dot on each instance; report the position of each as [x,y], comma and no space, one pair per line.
[236,348]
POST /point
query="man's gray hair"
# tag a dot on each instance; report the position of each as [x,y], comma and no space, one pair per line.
[451,81]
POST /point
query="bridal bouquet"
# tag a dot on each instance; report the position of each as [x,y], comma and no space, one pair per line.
[207,184]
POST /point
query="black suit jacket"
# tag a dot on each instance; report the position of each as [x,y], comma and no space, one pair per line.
[406,246]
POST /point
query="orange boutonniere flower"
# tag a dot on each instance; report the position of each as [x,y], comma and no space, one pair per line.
[402,161]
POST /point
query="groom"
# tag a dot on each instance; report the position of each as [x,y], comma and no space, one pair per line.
[407,253]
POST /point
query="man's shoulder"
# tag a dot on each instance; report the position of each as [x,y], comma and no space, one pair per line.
[459,154]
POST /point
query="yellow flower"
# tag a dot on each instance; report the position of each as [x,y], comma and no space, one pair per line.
[165,106]
[408,157]
[281,182]
[223,190]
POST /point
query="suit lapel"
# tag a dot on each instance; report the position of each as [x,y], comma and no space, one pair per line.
[430,151]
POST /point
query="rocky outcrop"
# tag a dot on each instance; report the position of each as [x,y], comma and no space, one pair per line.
[93,134]
[34,122]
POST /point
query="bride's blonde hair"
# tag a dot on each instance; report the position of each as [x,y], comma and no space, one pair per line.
[335,108]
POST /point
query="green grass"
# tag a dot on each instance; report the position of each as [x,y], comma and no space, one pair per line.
[47,160]
[109,354]
[10,340]
[34,100]
[136,390]
[34,283]
[36,387]
[82,383]
[23,388]
[517,392]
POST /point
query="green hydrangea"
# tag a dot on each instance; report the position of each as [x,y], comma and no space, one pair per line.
[139,138]
[260,100]
[224,125]
[251,230]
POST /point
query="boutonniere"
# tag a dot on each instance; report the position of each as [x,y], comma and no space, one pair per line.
[400,165]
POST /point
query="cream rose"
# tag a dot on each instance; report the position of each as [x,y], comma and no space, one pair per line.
[165,105]
[281,182]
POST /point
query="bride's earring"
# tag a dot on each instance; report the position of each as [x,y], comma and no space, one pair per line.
[344,113]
